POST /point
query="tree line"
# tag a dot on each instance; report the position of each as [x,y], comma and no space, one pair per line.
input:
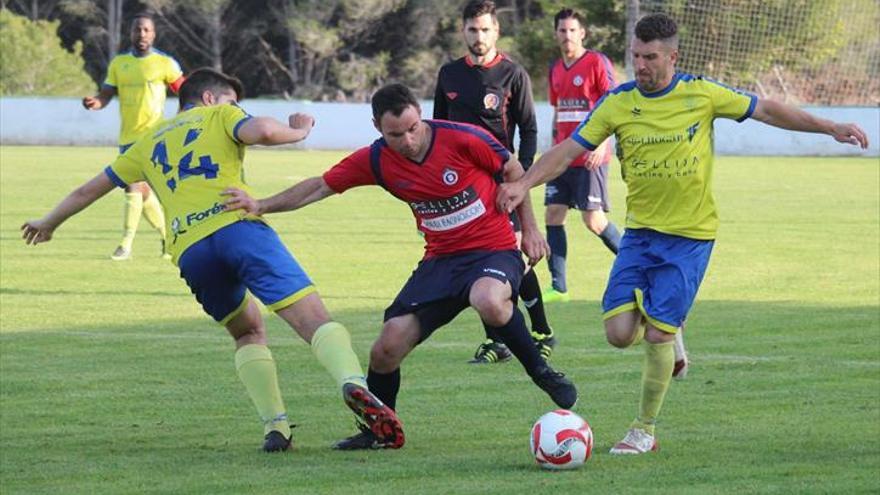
[806,52]
[336,50]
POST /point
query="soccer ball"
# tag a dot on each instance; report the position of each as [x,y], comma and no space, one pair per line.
[561,440]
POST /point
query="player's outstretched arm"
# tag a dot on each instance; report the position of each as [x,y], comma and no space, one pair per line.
[533,243]
[794,119]
[268,131]
[100,100]
[551,165]
[299,195]
[37,231]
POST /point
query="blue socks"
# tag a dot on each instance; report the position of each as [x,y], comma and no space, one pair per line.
[610,237]
[558,251]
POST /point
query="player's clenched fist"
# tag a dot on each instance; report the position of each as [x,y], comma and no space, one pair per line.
[302,121]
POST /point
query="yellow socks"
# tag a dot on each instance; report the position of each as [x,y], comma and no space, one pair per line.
[331,344]
[153,213]
[640,334]
[656,375]
[134,205]
[256,369]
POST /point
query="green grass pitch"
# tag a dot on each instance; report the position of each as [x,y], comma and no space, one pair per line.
[113,381]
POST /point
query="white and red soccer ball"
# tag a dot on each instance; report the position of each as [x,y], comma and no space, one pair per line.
[561,440]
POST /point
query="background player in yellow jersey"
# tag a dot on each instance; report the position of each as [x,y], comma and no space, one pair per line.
[663,125]
[189,161]
[138,77]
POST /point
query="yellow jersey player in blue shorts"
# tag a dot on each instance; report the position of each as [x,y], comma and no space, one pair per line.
[138,77]
[663,125]
[189,161]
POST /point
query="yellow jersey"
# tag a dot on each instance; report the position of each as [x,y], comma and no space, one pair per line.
[665,148]
[140,87]
[188,161]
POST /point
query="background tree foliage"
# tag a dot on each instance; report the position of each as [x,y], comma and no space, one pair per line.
[341,50]
[33,62]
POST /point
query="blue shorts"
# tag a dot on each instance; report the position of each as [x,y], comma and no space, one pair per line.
[658,274]
[243,255]
[580,188]
[439,288]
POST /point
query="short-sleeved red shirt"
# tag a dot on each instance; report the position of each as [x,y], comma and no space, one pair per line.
[451,192]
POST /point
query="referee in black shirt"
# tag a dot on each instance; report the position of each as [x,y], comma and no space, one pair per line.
[488,89]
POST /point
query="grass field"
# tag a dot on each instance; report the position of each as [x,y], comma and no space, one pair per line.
[113,381]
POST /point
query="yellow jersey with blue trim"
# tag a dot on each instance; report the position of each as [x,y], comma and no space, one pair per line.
[140,88]
[665,147]
[188,161]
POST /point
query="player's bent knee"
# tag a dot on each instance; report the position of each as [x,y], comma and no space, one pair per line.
[596,221]
[493,309]
[555,214]
[399,336]
[621,330]
[247,327]
[305,315]
[617,340]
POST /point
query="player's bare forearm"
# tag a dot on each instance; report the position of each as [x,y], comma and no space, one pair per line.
[597,156]
[533,243]
[794,119]
[302,194]
[36,231]
[552,163]
[268,131]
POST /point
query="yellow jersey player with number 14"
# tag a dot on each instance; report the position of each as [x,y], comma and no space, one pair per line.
[189,161]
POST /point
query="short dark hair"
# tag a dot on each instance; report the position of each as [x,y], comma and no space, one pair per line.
[657,27]
[207,79]
[394,98]
[568,14]
[141,15]
[477,8]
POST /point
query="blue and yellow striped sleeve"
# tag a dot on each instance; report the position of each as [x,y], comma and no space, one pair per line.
[730,103]
[233,118]
[596,127]
[127,167]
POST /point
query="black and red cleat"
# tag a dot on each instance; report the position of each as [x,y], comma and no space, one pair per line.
[380,420]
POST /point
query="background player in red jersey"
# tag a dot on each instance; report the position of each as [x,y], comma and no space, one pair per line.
[488,89]
[578,79]
[446,172]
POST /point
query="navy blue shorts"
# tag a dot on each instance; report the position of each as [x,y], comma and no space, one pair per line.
[658,274]
[243,255]
[580,188]
[439,288]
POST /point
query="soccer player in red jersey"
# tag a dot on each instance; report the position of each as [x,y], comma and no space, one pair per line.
[445,172]
[578,79]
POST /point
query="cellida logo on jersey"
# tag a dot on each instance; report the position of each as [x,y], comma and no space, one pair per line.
[448,213]
[578,81]
[450,176]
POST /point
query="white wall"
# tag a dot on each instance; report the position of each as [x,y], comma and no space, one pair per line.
[63,121]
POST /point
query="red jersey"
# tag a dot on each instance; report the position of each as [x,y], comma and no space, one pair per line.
[451,192]
[574,92]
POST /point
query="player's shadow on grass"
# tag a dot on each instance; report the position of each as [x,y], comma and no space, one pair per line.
[87,292]
[169,386]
